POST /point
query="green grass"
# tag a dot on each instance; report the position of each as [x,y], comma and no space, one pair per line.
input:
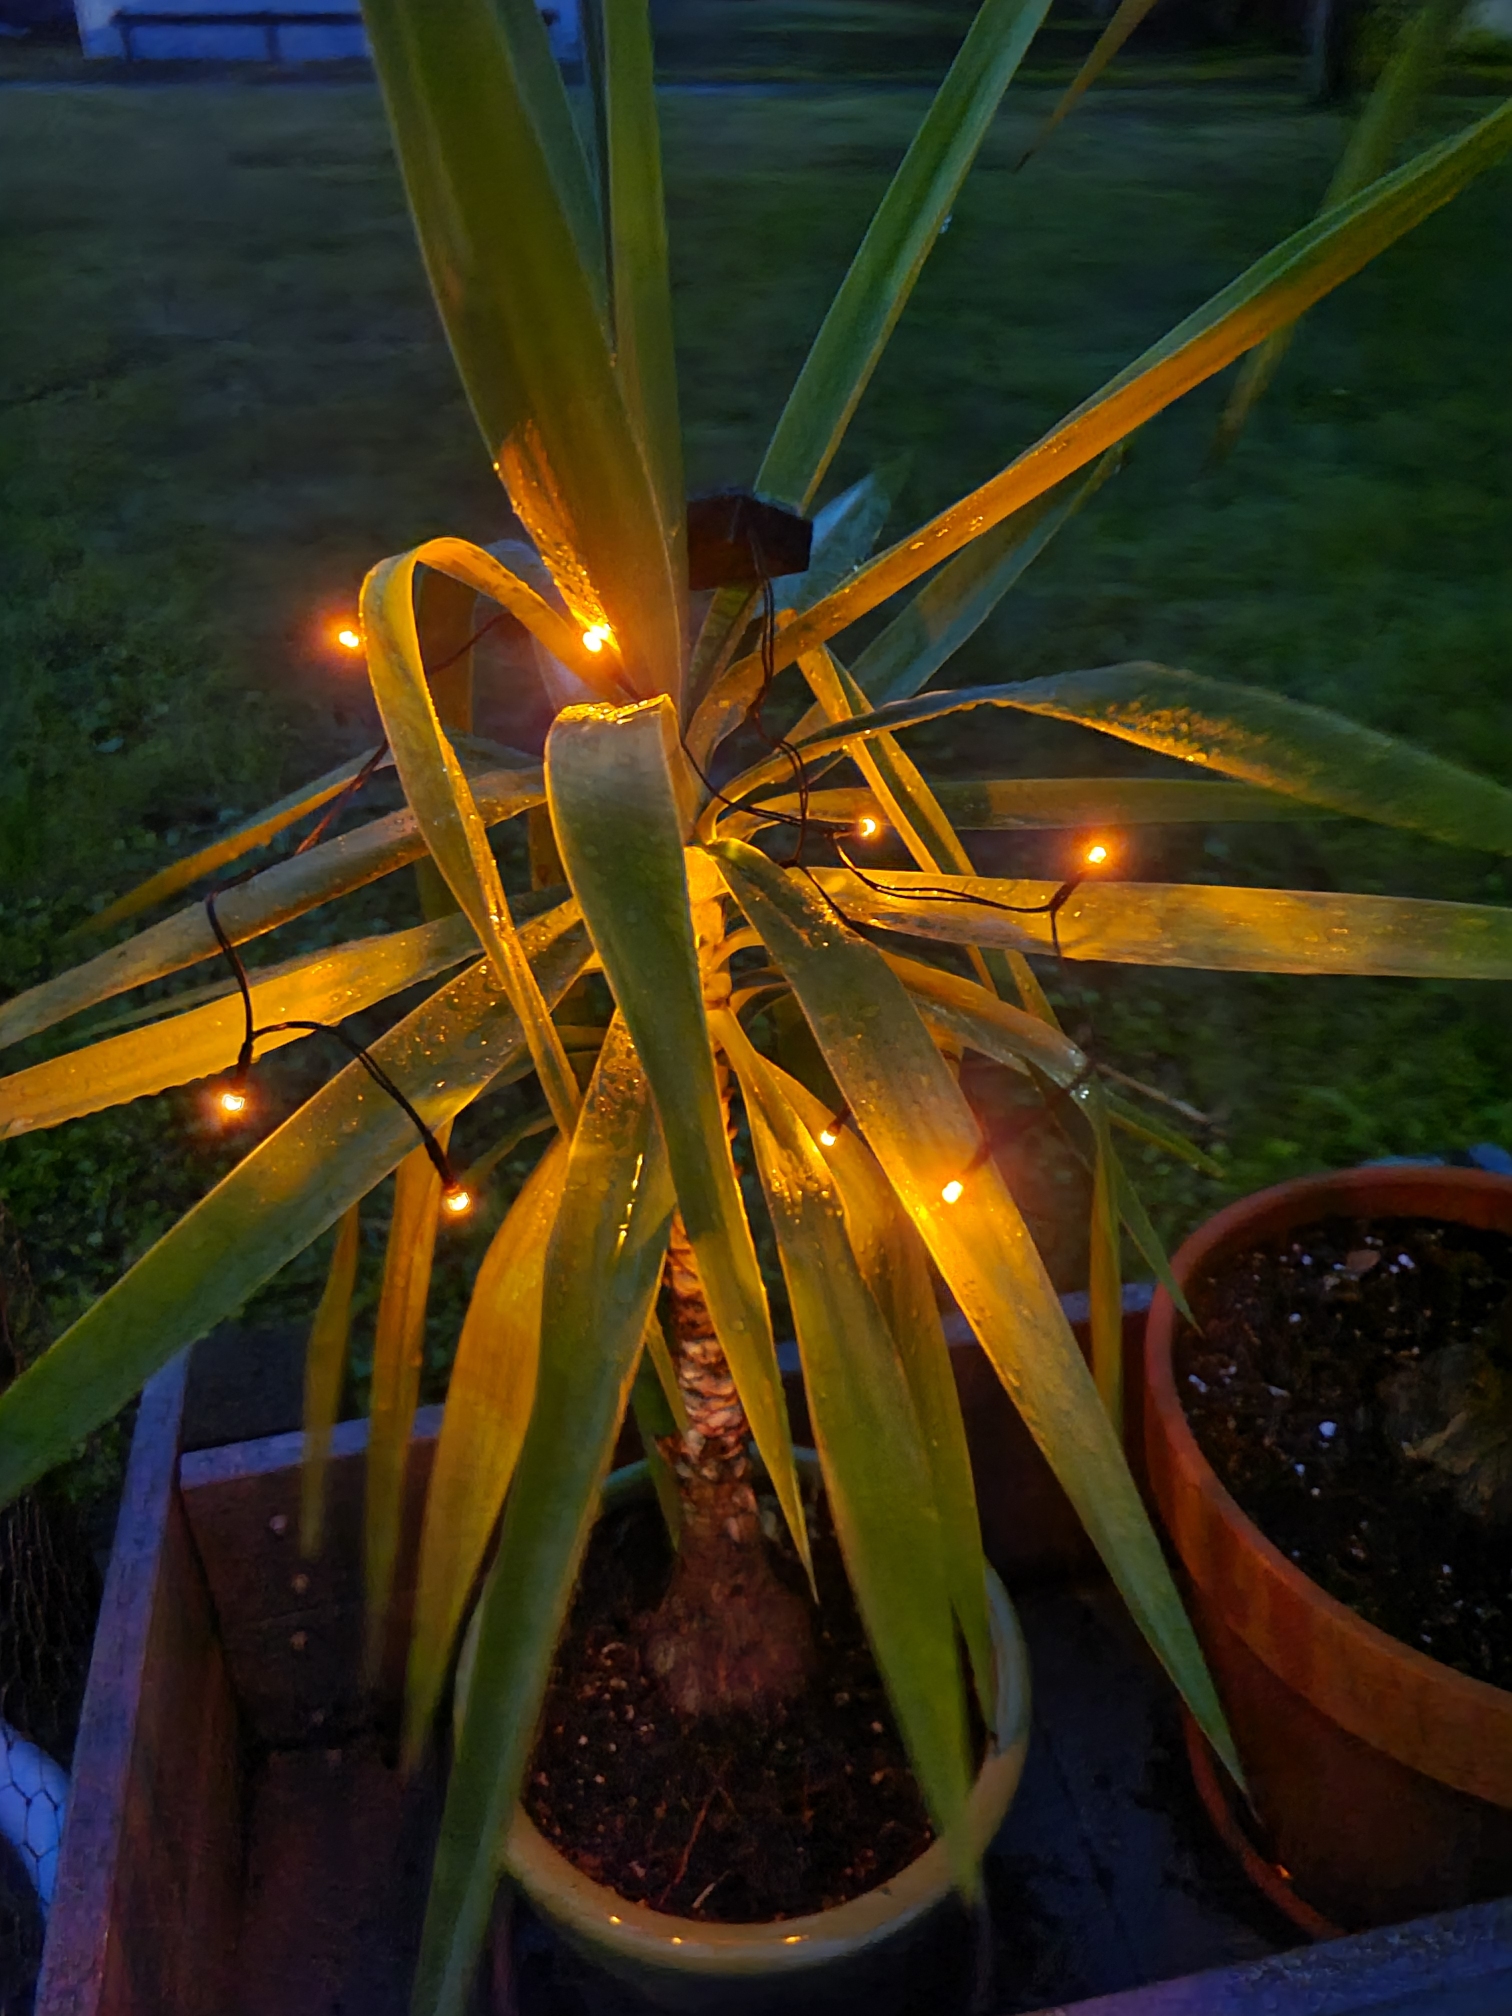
[224,394]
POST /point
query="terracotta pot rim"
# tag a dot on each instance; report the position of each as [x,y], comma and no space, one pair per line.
[1366,1192]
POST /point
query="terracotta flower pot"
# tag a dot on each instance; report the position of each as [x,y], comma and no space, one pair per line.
[870,1952]
[1383,1778]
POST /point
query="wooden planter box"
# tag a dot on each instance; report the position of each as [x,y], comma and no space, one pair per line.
[238,1845]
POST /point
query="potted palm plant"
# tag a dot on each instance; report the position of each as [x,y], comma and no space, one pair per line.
[713,898]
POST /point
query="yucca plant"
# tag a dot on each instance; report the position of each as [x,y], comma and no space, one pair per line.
[714,910]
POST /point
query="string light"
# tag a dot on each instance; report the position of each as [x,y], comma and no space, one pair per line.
[952,1191]
[348,638]
[1096,854]
[868,826]
[596,636]
[455,1197]
[830,1133]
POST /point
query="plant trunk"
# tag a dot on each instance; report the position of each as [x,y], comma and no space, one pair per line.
[728,1636]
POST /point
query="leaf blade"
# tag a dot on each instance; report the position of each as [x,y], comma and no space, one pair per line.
[1274,291]
[921,1131]
[324,987]
[398,1343]
[443,804]
[285,1193]
[1212,928]
[1261,738]
[870,1448]
[610,782]
[488,1401]
[325,1366]
[602,1267]
[907,224]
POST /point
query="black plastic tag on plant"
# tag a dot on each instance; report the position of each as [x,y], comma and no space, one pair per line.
[737,540]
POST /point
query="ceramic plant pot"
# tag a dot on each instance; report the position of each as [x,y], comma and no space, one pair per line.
[870,1953]
[1383,1778]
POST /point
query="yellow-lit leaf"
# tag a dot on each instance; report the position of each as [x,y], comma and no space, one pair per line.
[325,1368]
[488,1402]
[398,1348]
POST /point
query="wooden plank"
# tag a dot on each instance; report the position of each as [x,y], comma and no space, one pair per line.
[338,1862]
[144,1918]
[292,1628]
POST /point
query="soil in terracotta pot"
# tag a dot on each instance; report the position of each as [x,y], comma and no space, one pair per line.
[732,1819]
[1314,1390]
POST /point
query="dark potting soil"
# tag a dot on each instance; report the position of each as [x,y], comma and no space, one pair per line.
[735,1819]
[1293,1390]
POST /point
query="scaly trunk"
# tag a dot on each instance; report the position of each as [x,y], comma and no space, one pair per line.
[728,1634]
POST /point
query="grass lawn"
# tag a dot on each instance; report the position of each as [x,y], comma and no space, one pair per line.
[224,395]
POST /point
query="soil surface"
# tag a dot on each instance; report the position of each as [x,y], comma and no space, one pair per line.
[1290,1392]
[731,1819]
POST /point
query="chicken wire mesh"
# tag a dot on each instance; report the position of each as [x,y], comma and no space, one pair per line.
[49,1598]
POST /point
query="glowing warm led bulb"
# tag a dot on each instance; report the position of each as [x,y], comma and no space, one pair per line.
[952,1190]
[457,1200]
[232,1101]
[596,636]
[868,826]
[348,638]
[829,1137]
[1097,853]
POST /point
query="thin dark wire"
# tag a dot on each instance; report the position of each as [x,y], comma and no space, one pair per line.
[1051,908]
[369,1063]
[343,797]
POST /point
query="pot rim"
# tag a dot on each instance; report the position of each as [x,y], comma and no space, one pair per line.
[1371,1671]
[695,1946]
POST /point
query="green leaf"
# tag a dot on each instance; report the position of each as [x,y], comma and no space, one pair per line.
[895,1268]
[1125,19]
[659,1358]
[1389,116]
[1029,804]
[929,630]
[845,531]
[640,284]
[1264,738]
[654,1421]
[602,1270]
[1132,1119]
[335,1149]
[1271,293]
[876,1470]
[1173,924]
[325,1368]
[276,896]
[321,987]
[488,1401]
[473,1178]
[916,1122]
[908,222]
[934,624]
[230,847]
[610,780]
[507,222]
[1131,1209]
[441,800]
[908,804]
[978,1020]
[398,1350]
[1105,1270]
